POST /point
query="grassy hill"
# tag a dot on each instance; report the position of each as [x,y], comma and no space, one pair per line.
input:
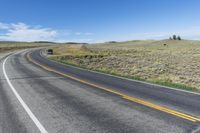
[175,64]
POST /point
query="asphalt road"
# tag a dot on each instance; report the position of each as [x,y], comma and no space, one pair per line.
[33,100]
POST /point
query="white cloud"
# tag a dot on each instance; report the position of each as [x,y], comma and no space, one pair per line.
[24,32]
[88,33]
[78,33]
[188,33]
[3,26]
[83,33]
[192,33]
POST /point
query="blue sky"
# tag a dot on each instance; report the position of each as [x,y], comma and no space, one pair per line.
[98,20]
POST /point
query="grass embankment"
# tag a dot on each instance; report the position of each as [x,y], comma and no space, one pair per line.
[175,65]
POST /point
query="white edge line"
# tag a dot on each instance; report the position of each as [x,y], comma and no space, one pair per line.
[24,105]
[167,87]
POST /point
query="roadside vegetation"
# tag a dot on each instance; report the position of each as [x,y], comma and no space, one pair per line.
[11,46]
[174,63]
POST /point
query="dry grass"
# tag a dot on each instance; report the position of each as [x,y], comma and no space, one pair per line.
[11,46]
[177,63]
[70,49]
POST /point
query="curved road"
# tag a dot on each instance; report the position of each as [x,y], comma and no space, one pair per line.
[67,99]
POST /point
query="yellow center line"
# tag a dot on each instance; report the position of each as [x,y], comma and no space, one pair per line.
[130,98]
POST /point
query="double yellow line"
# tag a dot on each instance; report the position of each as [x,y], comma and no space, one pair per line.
[130,98]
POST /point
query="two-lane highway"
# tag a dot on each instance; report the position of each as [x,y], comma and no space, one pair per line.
[68,99]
